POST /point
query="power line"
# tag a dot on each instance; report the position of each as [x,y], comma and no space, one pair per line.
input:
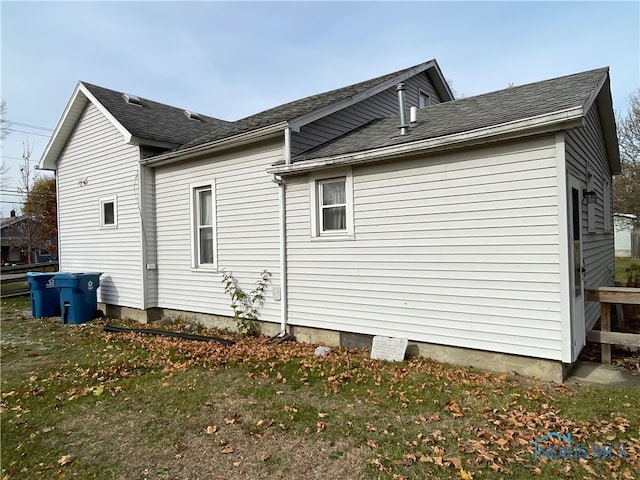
[29,133]
[28,125]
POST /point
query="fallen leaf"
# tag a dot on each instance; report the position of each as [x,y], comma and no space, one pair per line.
[211,429]
[264,457]
[465,475]
[226,450]
[65,460]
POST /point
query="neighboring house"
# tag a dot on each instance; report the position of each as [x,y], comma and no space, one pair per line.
[16,234]
[625,235]
[472,232]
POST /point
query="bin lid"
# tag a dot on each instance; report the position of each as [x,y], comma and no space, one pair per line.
[76,275]
[39,274]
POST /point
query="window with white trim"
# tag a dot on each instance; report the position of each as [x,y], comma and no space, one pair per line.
[203,217]
[332,205]
[108,212]
[332,195]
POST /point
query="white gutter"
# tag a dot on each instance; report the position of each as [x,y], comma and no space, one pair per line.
[570,118]
[216,145]
[282,190]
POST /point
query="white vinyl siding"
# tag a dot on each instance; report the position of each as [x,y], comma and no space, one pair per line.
[96,152]
[586,154]
[246,218]
[459,249]
[147,201]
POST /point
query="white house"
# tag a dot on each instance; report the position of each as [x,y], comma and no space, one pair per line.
[470,229]
[624,232]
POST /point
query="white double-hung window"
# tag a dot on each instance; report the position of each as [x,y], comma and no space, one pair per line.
[203,213]
[332,205]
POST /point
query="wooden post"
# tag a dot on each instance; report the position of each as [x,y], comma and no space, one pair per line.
[605,326]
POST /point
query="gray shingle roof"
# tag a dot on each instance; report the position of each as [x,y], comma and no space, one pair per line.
[503,106]
[295,109]
[153,120]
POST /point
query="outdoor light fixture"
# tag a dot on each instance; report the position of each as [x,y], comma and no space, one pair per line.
[589,196]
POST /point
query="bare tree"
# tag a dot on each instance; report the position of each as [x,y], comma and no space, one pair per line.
[626,187]
[28,226]
[4,131]
[4,123]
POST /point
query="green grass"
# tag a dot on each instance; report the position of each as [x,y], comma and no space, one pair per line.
[622,264]
[13,287]
[126,406]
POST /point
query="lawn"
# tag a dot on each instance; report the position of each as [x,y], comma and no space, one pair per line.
[81,403]
[622,266]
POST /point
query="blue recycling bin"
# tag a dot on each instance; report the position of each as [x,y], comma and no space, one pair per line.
[78,299]
[45,298]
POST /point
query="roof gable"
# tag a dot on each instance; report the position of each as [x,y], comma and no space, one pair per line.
[305,110]
[150,123]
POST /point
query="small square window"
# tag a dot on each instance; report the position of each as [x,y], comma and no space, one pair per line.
[108,212]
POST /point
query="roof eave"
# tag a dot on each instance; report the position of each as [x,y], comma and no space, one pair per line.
[561,120]
[216,145]
[608,121]
[66,125]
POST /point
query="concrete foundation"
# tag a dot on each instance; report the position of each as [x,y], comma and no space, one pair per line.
[548,370]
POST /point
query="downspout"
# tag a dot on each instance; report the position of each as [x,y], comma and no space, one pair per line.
[282,201]
[287,146]
[283,254]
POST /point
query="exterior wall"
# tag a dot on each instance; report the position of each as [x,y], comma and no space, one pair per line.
[96,152]
[586,154]
[458,249]
[247,224]
[382,105]
[149,260]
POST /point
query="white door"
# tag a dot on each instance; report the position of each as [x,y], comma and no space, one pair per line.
[578,334]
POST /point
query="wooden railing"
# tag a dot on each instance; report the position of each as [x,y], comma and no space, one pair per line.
[608,296]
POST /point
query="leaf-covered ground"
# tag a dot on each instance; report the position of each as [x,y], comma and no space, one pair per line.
[81,403]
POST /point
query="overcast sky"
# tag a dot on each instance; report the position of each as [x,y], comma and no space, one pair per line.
[233,59]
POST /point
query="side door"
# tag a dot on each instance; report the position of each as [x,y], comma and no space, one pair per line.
[576,265]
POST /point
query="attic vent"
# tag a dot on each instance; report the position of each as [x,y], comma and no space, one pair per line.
[132,99]
[192,115]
